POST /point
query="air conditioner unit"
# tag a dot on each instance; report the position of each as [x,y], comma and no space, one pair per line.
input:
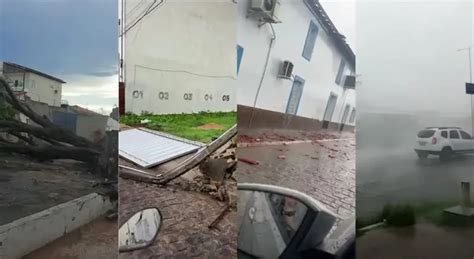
[349,82]
[286,70]
[265,10]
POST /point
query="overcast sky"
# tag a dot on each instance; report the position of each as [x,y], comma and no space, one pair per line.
[407,52]
[73,40]
[407,55]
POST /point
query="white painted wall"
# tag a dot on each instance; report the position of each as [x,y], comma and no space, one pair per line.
[319,73]
[37,87]
[178,55]
[43,89]
[27,234]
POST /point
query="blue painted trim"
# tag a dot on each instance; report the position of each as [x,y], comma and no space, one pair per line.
[240,53]
[302,81]
[310,41]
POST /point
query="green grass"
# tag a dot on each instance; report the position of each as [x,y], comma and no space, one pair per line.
[185,125]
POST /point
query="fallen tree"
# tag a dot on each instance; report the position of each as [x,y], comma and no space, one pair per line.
[43,140]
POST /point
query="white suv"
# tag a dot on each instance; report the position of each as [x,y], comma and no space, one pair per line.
[443,141]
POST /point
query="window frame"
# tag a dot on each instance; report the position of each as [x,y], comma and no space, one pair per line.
[310,43]
[457,132]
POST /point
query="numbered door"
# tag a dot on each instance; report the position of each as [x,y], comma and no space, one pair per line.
[329,110]
[295,96]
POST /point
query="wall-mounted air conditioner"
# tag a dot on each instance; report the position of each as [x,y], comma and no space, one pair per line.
[265,10]
[349,82]
[286,70]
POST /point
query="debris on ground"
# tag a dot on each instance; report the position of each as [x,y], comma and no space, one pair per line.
[249,161]
[220,216]
[272,136]
[281,157]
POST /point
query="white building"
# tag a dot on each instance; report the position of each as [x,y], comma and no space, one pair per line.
[179,56]
[37,85]
[192,56]
[304,35]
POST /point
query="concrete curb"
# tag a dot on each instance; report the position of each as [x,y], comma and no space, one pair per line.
[279,143]
[27,234]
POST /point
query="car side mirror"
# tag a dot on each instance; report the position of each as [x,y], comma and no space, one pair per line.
[139,230]
[274,220]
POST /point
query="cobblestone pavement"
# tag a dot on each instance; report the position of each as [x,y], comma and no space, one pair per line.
[186,215]
[323,170]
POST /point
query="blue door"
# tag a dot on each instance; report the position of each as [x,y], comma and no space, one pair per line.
[295,96]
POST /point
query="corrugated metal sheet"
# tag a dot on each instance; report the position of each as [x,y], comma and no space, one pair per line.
[149,148]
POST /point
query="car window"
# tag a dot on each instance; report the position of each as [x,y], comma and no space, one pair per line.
[426,133]
[444,134]
[465,135]
[288,214]
[453,134]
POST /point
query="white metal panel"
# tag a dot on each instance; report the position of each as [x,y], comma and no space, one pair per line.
[149,148]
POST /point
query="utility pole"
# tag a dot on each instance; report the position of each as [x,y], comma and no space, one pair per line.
[470,80]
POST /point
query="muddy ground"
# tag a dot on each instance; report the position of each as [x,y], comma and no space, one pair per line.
[97,239]
[28,187]
[424,240]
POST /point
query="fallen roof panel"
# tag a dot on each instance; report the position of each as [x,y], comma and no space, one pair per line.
[149,148]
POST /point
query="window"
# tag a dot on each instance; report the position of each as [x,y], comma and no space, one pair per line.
[453,134]
[16,83]
[340,72]
[426,133]
[444,134]
[310,41]
[240,53]
[353,114]
[465,135]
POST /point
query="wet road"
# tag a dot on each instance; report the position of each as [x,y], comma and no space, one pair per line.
[324,170]
[422,241]
[399,177]
[28,187]
[97,239]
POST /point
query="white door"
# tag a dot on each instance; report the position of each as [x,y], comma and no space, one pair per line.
[466,141]
[455,139]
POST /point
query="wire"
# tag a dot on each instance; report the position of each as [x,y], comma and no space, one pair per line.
[151,8]
[135,7]
[187,72]
[263,74]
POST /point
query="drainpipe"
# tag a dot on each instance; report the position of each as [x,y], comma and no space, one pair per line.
[263,74]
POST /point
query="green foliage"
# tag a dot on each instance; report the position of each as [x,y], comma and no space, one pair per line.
[185,125]
[6,111]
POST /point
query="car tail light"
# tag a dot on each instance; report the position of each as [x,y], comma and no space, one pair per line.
[433,141]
